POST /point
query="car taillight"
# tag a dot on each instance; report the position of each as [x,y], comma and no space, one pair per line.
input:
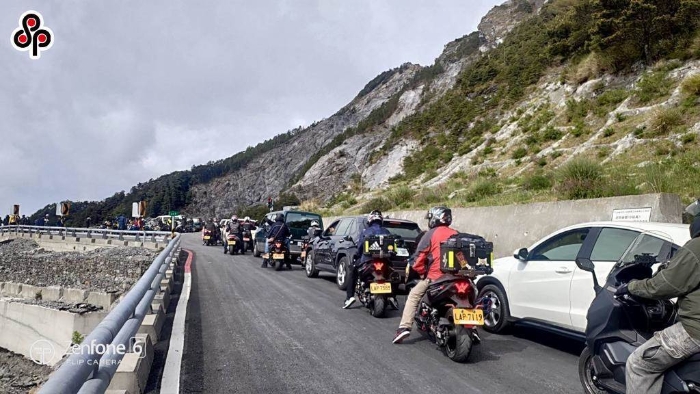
[378,266]
[462,288]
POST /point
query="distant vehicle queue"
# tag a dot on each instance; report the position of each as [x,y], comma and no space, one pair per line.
[641,326]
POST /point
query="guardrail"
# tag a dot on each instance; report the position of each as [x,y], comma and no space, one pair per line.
[87,371]
[129,235]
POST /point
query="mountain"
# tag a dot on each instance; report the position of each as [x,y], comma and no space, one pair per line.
[558,99]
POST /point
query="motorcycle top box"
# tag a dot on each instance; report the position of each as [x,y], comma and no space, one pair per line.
[465,252]
[381,246]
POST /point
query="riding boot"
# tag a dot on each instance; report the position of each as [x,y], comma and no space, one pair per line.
[264,263]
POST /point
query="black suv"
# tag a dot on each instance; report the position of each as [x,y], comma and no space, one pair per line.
[333,251]
[298,223]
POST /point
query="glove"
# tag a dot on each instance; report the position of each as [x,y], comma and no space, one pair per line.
[622,290]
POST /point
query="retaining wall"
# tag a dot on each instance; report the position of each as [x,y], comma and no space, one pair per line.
[511,227]
[58,243]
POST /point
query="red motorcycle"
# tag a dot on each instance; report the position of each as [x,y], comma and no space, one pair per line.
[208,237]
[450,312]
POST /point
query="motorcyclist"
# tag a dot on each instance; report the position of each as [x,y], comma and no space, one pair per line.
[212,228]
[278,232]
[645,368]
[248,227]
[426,262]
[311,231]
[375,220]
[233,227]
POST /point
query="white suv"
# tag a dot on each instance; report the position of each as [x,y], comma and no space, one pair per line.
[542,286]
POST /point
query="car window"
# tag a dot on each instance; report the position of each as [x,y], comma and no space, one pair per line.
[344,226]
[299,220]
[331,230]
[563,247]
[612,244]
[405,230]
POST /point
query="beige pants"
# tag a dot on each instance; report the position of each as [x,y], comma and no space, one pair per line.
[412,301]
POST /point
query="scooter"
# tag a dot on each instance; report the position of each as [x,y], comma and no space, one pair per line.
[619,325]
[232,244]
[377,282]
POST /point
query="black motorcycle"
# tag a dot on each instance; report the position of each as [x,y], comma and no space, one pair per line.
[247,241]
[619,325]
[279,255]
[450,312]
[377,281]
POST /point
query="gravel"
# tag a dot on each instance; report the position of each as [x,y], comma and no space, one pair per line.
[106,269]
[78,308]
[19,375]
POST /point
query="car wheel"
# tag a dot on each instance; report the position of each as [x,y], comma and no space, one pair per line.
[342,273]
[498,320]
[255,250]
[309,265]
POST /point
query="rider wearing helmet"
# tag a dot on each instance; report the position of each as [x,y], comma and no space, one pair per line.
[278,232]
[233,227]
[315,225]
[375,220]
[680,279]
[425,262]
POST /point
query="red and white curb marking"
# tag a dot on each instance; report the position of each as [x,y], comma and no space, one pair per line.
[173,362]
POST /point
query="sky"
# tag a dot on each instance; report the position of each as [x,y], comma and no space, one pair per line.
[132,90]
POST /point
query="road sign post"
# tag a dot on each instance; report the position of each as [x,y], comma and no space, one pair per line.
[172,221]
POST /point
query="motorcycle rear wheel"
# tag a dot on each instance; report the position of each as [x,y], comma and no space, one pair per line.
[377,307]
[459,345]
[585,373]
[279,264]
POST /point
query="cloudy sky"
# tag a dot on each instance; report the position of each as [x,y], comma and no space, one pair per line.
[131,90]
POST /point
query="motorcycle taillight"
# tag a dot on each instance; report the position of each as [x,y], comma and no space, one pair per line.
[378,266]
[278,244]
[462,287]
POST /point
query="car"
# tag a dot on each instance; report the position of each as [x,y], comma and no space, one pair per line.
[541,285]
[298,223]
[333,251]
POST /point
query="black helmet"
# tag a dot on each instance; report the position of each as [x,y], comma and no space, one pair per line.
[279,217]
[375,216]
[439,216]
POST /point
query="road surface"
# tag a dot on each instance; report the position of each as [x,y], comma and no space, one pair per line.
[253,330]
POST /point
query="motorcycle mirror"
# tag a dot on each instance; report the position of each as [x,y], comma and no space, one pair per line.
[521,254]
[587,265]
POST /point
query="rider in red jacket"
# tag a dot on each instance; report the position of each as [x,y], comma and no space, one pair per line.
[427,264]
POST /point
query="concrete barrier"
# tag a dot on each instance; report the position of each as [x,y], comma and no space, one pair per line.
[134,368]
[59,243]
[31,292]
[511,227]
[10,289]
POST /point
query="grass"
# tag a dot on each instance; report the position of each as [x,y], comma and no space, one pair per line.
[580,178]
[652,86]
[665,121]
[691,86]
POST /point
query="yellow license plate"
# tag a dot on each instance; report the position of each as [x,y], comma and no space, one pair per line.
[231,242]
[470,317]
[278,256]
[380,288]
[206,237]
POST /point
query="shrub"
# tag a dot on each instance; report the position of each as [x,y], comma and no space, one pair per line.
[652,86]
[488,150]
[429,196]
[579,129]
[608,132]
[77,338]
[688,138]
[666,120]
[519,153]
[481,189]
[380,203]
[581,178]
[555,155]
[552,134]
[620,117]
[604,152]
[657,179]
[639,131]
[401,195]
[691,85]
[537,182]
[488,173]
[542,161]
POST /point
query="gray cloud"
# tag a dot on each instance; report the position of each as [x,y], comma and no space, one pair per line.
[134,89]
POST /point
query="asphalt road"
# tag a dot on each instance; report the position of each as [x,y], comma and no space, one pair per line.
[254,330]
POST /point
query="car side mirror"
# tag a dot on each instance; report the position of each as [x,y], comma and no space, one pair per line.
[521,254]
[348,238]
[585,264]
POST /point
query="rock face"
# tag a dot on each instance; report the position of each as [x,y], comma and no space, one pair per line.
[412,86]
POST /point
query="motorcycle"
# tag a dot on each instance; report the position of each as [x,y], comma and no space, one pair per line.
[247,241]
[618,325]
[450,312]
[376,280]
[208,237]
[279,255]
[233,244]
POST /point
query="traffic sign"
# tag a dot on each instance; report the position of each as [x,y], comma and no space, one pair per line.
[173,213]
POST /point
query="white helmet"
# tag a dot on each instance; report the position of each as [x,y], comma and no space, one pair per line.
[247,219]
[314,223]
[234,217]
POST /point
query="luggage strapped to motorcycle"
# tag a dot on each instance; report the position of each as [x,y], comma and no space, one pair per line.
[380,246]
[465,251]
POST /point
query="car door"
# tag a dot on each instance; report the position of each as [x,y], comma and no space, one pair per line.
[611,243]
[338,240]
[322,247]
[539,288]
